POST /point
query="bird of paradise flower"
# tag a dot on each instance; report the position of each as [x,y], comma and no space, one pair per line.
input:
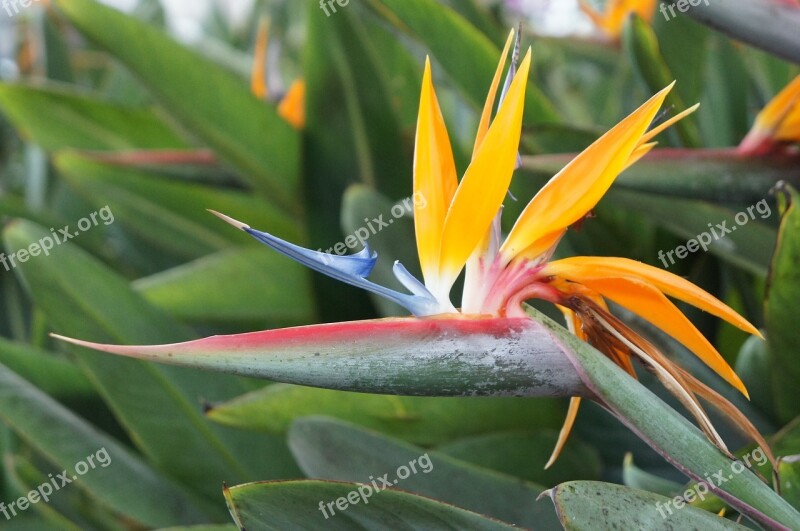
[458,227]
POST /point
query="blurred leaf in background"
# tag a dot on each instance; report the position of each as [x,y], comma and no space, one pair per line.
[149,112]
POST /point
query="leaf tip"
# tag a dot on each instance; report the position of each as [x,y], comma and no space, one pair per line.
[238,224]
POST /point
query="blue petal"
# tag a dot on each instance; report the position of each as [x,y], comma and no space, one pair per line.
[351,269]
[410,281]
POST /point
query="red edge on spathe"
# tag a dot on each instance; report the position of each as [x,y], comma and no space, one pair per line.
[436,326]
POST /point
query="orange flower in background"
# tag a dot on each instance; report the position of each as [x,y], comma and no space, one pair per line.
[292,107]
[612,20]
[777,124]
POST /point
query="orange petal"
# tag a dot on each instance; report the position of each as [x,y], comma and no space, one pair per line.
[434,179]
[486,181]
[654,132]
[779,107]
[640,152]
[486,116]
[647,301]
[293,106]
[579,268]
[258,80]
[617,11]
[597,18]
[563,435]
[577,188]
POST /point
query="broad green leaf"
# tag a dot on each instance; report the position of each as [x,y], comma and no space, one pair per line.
[789,473]
[718,176]
[672,435]
[524,454]
[783,292]
[57,118]
[767,24]
[754,365]
[725,111]
[477,15]
[743,240]
[420,420]
[202,528]
[31,523]
[642,46]
[787,440]
[55,376]
[331,144]
[468,56]
[333,450]
[207,99]
[159,407]
[635,477]
[685,49]
[238,286]
[170,214]
[382,151]
[22,477]
[119,479]
[280,505]
[585,505]
[15,207]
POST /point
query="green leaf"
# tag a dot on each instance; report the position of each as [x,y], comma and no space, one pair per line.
[170,214]
[284,505]
[202,528]
[210,101]
[330,449]
[382,151]
[584,505]
[55,376]
[767,24]
[685,49]
[234,287]
[57,118]
[672,435]
[635,477]
[789,473]
[747,245]
[642,46]
[783,292]
[119,479]
[421,420]
[159,407]
[468,56]
[754,365]
[718,176]
[524,454]
[725,111]
[332,144]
